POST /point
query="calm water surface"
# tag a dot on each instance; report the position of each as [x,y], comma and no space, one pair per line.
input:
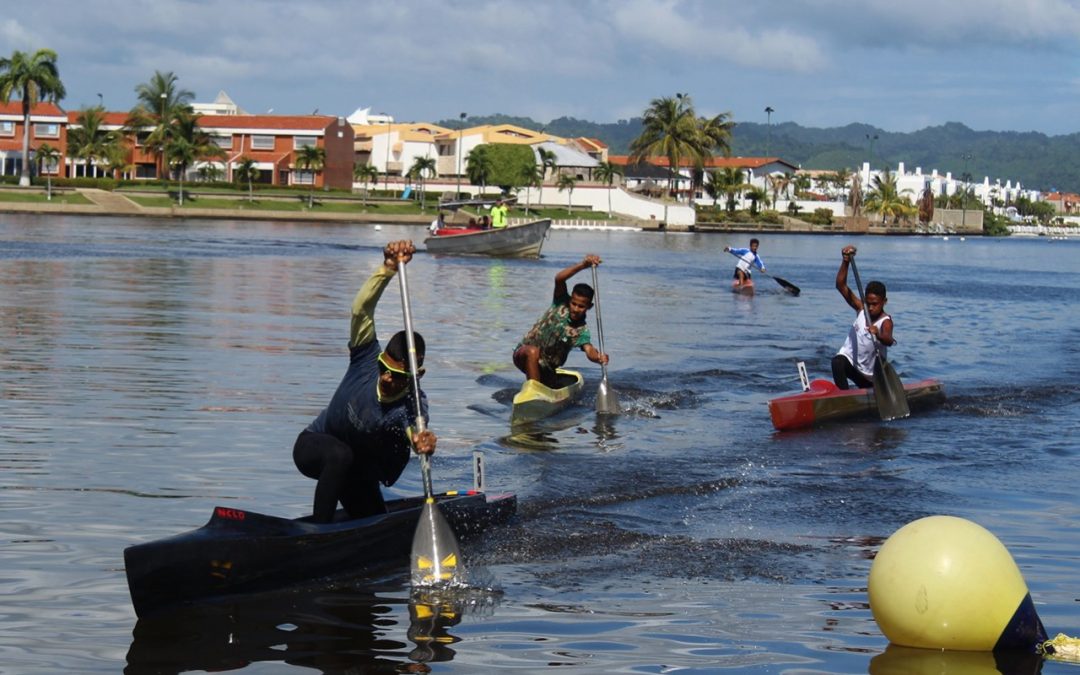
[154,369]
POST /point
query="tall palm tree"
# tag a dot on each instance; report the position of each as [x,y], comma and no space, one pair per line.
[779,182]
[568,183]
[365,173]
[422,166]
[606,173]
[247,171]
[532,175]
[548,160]
[158,101]
[47,157]
[179,153]
[33,78]
[841,179]
[311,158]
[885,198]
[478,167]
[670,129]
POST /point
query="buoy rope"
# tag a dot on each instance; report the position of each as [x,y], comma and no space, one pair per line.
[1061,648]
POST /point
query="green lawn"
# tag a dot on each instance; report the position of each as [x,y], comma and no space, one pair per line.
[41,198]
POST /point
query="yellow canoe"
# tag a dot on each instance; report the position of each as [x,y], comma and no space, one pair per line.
[536,401]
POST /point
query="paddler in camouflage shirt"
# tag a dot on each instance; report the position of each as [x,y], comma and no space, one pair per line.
[561,328]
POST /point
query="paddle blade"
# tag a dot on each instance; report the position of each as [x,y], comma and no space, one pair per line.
[435,559]
[788,286]
[889,392]
[607,401]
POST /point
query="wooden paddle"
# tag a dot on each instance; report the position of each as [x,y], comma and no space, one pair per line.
[888,389]
[607,402]
[784,283]
[435,556]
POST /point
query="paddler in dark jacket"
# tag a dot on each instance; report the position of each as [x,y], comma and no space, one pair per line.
[364,436]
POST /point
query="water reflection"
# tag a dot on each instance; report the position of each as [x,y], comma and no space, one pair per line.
[331,629]
[898,660]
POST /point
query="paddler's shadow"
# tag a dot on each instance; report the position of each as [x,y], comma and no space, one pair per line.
[330,629]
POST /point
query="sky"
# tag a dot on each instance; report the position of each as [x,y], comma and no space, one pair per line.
[1001,65]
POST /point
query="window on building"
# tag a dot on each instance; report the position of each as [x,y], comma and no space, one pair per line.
[303,177]
[7,128]
[262,142]
[304,142]
[46,130]
[222,141]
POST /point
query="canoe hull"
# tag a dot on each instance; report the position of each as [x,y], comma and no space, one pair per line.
[825,402]
[241,551]
[514,241]
[536,401]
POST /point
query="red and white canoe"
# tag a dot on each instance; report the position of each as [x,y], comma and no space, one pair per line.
[825,402]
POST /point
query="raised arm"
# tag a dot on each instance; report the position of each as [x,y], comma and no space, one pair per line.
[852,299]
[562,277]
[362,327]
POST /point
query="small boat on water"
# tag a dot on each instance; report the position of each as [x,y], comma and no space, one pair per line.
[825,402]
[514,241]
[536,401]
[240,551]
[743,287]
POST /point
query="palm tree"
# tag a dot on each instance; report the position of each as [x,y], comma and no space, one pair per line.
[422,166]
[365,173]
[884,198]
[779,182]
[89,141]
[669,129]
[33,78]
[478,166]
[568,183]
[606,173]
[728,182]
[47,157]
[756,195]
[311,158]
[532,175]
[179,153]
[548,160]
[158,101]
[248,172]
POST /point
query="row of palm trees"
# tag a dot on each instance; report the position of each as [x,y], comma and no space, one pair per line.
[163,120]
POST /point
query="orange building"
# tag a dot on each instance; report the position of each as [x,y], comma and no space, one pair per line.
[271,141]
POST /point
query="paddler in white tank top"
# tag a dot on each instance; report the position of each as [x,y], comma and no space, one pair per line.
[855,360]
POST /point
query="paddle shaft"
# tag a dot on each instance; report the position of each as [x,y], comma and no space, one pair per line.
[862,301]
[410,341]
[599,320]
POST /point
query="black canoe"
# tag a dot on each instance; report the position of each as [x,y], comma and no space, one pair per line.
[241,551]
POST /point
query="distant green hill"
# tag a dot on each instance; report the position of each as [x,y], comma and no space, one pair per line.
[1038,161]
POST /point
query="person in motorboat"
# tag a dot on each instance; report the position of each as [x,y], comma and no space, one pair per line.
[855,360]
[498,215]
[747,257]
[438,224]
[364,435]
[561,328]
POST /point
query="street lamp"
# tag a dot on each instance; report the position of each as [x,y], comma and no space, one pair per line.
[387,166]
[461,130]
[964,179]
[164,162]
[768,126]
[101,101]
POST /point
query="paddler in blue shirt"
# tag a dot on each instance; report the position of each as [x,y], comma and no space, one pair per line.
[364,436]
[747,257]
[561,328]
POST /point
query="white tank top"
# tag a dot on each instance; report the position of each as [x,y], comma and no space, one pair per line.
[859,346]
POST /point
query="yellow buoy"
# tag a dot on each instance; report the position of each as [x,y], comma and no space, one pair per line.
[946,583]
